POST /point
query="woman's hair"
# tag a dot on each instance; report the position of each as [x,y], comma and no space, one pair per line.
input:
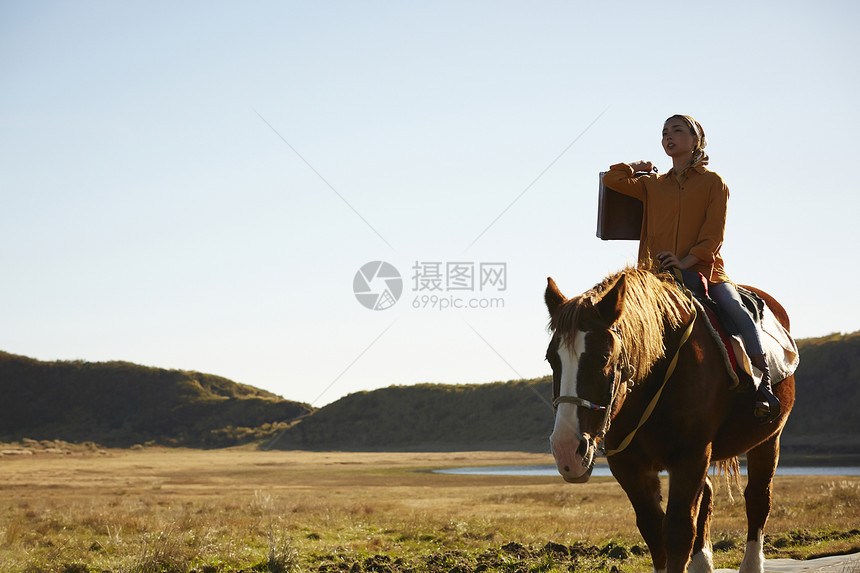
[697,131]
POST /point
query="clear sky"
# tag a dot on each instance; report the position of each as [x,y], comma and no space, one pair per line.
[195,185]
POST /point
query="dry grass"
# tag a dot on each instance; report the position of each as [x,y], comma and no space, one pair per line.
[181,510]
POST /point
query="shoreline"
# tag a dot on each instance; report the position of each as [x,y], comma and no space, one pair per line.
[28,447]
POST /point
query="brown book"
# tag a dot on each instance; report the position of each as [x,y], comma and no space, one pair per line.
[619,216]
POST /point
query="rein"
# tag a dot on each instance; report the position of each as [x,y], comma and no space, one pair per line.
[653,403]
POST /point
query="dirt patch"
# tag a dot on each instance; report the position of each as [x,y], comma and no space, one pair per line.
[513,557]
[801,537]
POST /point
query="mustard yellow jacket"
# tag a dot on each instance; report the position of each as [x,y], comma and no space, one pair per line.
[686,217]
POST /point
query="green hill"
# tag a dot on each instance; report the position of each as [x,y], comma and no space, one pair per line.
[517,415]
[502,416]
[825,418]
[121,404]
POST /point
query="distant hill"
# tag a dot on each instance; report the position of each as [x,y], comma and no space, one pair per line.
[825,419]
[497,416]
[121,404]
[517,415]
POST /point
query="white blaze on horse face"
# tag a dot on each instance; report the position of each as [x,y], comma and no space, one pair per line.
[565,438]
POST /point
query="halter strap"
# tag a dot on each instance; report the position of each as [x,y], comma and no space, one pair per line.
[582,403]
[607,410]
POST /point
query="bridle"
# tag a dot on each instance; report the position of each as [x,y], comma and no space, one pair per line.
[623,373]
[616,384]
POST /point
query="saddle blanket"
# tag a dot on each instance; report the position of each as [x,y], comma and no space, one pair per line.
[778,345]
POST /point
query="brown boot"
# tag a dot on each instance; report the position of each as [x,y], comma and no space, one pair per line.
[767,407]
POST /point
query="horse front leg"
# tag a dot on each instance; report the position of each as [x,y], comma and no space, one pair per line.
[703,555]
[761,466]
[642,487]
[686,484]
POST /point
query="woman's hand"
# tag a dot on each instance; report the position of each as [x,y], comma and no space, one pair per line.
[668,260]
[638,166]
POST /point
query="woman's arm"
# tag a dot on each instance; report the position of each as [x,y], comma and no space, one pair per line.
[620,178]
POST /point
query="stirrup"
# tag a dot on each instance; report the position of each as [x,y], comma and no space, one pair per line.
[767,407]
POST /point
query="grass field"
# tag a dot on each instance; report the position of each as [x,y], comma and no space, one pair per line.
[232,510]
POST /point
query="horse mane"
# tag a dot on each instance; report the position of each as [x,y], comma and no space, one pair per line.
[652,302]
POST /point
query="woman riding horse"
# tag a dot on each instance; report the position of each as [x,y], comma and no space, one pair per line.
[683,226]
[635,372]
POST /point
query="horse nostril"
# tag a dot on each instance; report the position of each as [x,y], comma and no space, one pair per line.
[566,468]
[583,448]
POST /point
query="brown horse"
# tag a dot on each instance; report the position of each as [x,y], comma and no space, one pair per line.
[632,366]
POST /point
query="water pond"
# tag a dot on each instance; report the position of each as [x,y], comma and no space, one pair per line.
[602,470]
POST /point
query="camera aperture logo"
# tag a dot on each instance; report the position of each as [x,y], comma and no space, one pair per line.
[377,285]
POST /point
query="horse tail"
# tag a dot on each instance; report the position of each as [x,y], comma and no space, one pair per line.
[730,469]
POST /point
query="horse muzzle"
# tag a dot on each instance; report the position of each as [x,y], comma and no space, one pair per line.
[574,458]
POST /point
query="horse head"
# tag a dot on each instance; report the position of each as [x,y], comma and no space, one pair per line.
[585,356]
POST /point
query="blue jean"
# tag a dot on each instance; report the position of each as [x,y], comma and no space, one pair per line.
[734,315]
[729,301]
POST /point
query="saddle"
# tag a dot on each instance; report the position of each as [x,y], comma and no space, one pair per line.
[723,328]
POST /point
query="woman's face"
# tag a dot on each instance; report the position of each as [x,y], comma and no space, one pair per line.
[677,139]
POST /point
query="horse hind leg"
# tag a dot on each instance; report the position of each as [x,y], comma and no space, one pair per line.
[761,465]
[703,555]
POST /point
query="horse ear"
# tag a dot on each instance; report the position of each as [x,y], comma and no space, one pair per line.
[553,297]
[612,303]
